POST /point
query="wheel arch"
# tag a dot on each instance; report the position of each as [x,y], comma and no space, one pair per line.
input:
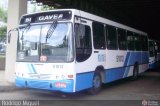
[100,69]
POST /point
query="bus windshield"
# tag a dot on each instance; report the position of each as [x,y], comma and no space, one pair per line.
[34,44]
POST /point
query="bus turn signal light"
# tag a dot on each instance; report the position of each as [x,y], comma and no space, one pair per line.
[70,76]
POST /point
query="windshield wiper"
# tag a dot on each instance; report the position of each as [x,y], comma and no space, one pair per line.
[51,30]
[26,28]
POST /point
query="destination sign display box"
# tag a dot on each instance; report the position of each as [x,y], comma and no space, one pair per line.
[46,17]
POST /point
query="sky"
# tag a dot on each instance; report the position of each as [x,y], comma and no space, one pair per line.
[4,4]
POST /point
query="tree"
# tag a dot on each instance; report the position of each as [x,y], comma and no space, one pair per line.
[3,31]
[46,7]
[3,15]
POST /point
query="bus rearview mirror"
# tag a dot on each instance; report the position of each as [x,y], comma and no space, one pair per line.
[9,34]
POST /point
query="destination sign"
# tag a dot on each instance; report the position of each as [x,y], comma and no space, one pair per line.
[46,17]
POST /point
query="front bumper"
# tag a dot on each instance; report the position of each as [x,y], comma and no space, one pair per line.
[52,85]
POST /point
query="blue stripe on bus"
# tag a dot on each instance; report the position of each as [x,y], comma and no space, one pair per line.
[126,72]
[127,59]
[114,74]
[31,68]
[45,84]
[132,57]
[84,81]
[145,57]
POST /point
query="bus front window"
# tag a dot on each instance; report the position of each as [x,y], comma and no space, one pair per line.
[35,43]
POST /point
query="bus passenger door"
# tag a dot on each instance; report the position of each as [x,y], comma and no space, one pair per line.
[83,44]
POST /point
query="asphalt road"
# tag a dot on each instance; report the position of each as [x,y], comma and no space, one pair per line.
[122,92]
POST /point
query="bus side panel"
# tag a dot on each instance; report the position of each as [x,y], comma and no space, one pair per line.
[84,81]
[152,63]
[116,73]
[45,84]
[143,68]
[136,57]
[145,57]
[130,58]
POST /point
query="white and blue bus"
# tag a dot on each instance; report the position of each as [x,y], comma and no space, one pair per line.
[154,54]
[69,50]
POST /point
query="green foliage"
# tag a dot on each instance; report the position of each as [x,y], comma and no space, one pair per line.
[3,15]
[46,7]
[3,31]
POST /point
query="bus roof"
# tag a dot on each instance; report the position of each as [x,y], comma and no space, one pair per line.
[90,17]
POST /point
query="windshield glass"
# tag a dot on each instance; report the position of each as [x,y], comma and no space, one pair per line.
[34,44]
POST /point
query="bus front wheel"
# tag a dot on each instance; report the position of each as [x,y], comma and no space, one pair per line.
[96,84]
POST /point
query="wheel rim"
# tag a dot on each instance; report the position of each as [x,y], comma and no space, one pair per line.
[97,82]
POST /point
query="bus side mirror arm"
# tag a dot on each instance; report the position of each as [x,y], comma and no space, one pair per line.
[9,34]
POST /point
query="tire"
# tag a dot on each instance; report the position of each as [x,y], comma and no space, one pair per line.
[135,72]
[96,84]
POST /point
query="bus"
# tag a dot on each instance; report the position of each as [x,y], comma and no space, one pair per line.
[70,50]
[154,54]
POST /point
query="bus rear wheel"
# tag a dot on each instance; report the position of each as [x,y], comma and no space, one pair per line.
[96,84]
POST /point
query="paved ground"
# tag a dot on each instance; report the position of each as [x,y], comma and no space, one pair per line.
[6,86]
[147,87]
[2,78]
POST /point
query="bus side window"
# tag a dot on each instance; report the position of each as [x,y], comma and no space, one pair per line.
[137,42]
[98,35]
[83,42]
[122,39]
[130,41]
[145,43]
[111,38]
